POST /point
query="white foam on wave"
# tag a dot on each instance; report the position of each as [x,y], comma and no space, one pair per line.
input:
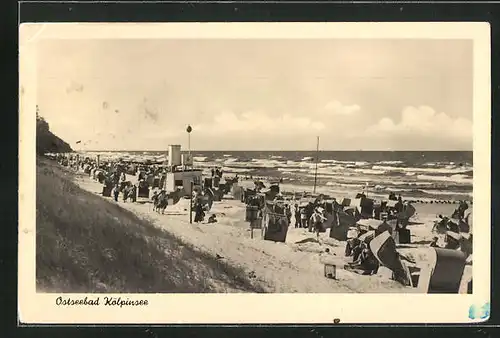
[264,163]
[344,177]
[381,188]
[345,185]
[347,163]
[292,170]
[230,160]
[370,171]
[441,192]
[424,180]
[329,171]
[205,164]
[459,179]
[199,158]
[396,189]
[446,170]
[389,162]
[107,155]
[234,170]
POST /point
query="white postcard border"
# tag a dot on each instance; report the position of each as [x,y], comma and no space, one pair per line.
[256,308]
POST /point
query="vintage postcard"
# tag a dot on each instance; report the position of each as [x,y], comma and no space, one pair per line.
[220,173]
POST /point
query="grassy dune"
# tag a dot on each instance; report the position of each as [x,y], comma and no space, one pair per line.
[87,244]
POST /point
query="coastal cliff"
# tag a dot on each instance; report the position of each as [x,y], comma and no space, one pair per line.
[48,142]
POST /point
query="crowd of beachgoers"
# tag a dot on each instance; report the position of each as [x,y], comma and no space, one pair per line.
[369,227]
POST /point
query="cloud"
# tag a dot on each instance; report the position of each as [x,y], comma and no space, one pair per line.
[337,108]
[74,87]
[259,122]
[419,123]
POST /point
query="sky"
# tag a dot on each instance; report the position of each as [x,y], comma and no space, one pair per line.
[247,94]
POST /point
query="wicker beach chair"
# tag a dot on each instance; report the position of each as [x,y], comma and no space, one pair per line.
[444,271]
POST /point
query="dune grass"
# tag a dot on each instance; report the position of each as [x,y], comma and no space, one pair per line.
[87,244]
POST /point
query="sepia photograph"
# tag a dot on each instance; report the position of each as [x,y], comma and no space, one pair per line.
[264,164]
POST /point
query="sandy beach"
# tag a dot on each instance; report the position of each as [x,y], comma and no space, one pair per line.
[291,267]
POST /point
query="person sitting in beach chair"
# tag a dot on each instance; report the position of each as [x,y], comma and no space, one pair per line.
[440,225]
[364,262]
[452,240]
[434,243]
[459,212]
[356,246]
[350,245]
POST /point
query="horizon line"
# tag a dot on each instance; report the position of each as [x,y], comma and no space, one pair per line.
[275,150]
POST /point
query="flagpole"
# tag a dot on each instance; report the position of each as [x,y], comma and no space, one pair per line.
[189,129]
[316,168]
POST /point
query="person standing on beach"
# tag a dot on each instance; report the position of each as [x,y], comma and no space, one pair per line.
[125,194]
[133,193]
[309,213]
[288,213]
[297,215]
[303,217]
[317,220]
[116,191]
[154,199]
[199,213]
